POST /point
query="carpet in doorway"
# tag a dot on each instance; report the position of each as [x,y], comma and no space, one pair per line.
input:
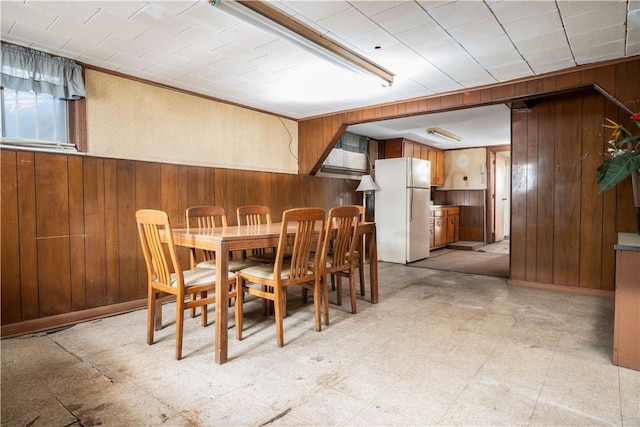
[483,263]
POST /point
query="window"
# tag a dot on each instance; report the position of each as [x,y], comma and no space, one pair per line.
[35,117]
[42,101]
[349,154]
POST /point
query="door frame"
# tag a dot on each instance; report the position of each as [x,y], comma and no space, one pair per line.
[490,194]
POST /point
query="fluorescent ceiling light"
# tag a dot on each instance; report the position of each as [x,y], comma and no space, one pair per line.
[441,133]
[275,22]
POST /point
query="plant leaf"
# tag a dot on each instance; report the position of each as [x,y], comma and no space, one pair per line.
[613,171]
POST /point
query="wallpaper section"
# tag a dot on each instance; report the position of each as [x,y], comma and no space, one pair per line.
[127,119]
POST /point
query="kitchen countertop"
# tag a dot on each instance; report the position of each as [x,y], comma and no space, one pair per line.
[628,242]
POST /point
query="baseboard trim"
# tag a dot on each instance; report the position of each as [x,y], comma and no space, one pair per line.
[69,319]
[565,289]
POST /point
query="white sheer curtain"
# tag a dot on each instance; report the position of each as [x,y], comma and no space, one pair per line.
[30,70]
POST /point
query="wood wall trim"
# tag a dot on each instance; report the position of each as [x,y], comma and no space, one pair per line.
[565,289]
[69,319]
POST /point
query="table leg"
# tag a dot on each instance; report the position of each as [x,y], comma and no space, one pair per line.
[222,303]
[373,266]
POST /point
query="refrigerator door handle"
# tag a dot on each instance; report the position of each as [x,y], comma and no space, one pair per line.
[411,205]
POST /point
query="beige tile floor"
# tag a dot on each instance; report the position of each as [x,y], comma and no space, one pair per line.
[440,348]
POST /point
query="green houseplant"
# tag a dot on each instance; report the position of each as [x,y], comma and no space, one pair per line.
[623,160]
[623,155]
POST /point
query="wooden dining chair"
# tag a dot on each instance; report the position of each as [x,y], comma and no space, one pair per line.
[270,281]
[338,257]
[256,215]
[208,218]
[192,288]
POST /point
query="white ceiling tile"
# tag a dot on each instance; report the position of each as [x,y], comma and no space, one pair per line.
[207,16]
[77,11]
[154,39]
[598,37]
[28,14]
[91,34]
[573,8]
[123,9]
[367,42]
[422,35]
[509,71]
[280,50]
[508,11]
[151,16]
[490,46]
[455,14]
[6,24]
[202,55]
[560,53]
[371,8]
[64,53]
[123,60]
[479,29]
[250,36]
[38,35]
[600,52]
[541,43]
[532,27]
[90,50]
[552,66]
[348,23]
[497,59]
[164,58]
[611,15]
[315,10]
[403,18]
[106,22]
[128,47]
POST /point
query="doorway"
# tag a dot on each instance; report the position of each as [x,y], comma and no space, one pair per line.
[498,221]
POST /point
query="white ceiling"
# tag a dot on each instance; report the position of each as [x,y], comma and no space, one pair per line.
[431,47]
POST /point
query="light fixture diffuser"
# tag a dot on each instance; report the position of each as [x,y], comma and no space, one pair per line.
[441,133]
[267,18]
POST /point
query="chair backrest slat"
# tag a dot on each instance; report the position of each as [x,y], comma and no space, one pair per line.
[208,217]
[309,222]
[159,266]
[340,235]
[253,215]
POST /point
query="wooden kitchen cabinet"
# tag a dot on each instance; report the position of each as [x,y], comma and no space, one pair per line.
[401,147]
[626,328]
[436,157]
[444,225]
[453,224]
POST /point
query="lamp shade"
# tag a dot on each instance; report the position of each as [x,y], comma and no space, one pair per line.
[367,184]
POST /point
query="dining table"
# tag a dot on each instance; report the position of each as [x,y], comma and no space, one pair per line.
[223,241]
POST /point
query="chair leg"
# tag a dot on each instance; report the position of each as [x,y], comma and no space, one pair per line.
[277,305]
[317,301]
[193,309]
[352,291]
[338,280]
[239,307]
[203,295]
[325,298]
[179,327]
[361,271]
[151,314]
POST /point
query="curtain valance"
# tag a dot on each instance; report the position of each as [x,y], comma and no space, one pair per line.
[30,70]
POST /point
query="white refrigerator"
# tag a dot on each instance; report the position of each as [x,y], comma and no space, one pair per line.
[402,209]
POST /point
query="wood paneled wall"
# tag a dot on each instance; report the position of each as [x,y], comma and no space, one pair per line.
[563,231]
[69,239]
